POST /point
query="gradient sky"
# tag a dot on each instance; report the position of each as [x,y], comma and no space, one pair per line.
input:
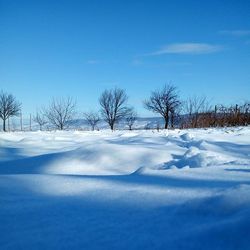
[79,48]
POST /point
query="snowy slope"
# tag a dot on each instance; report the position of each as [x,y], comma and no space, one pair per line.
[181,189]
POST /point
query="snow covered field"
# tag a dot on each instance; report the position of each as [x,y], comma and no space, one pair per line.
[187,189]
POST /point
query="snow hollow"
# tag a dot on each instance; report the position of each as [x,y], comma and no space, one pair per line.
[176,189]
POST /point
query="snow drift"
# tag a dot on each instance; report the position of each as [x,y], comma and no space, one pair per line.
[180,189]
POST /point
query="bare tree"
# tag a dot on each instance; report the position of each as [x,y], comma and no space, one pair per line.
[158,126]
[131,118]
[60,112]
[9,107]
[92,119]
[197,109]
[40,118]
[113,106]
[163,102]
[175,114]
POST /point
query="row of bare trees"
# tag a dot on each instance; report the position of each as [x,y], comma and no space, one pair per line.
[196,112]
[61,111]
[113,105]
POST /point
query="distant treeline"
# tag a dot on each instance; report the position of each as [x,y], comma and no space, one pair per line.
[220,116]
[195,112]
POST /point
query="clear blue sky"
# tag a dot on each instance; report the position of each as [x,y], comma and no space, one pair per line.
[79,48]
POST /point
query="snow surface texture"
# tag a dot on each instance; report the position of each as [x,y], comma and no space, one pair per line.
[181,189]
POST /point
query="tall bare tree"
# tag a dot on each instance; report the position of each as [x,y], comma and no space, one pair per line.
[131,118]
[60,112]
[40,119]
[113,106]
[92,119]
[163,102]
[9,107]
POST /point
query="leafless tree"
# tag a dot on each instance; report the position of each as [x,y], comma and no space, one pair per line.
[9,107]
[175,113]
[92,119]
[60,112]
[197,108]
[158,126]
[163,102]
[113,106]
[40,118]
[131,118]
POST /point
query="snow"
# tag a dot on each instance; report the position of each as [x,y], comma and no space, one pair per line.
[176,189]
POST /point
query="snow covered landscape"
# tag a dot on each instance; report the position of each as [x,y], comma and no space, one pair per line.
[124,125]
[143,189]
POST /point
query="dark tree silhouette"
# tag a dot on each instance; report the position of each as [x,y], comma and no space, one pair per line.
[9,107]
[92,119]
[131,118]
[163,102]
[113,106]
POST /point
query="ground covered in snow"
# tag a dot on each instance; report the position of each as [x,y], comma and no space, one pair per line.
[181,189]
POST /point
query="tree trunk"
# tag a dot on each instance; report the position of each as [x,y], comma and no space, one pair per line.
[112,126]
[166,122]
[4,125]
[172,120]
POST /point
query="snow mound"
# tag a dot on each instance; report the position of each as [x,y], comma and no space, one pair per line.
[187,137]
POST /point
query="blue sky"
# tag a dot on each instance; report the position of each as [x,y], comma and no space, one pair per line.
[79,48]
